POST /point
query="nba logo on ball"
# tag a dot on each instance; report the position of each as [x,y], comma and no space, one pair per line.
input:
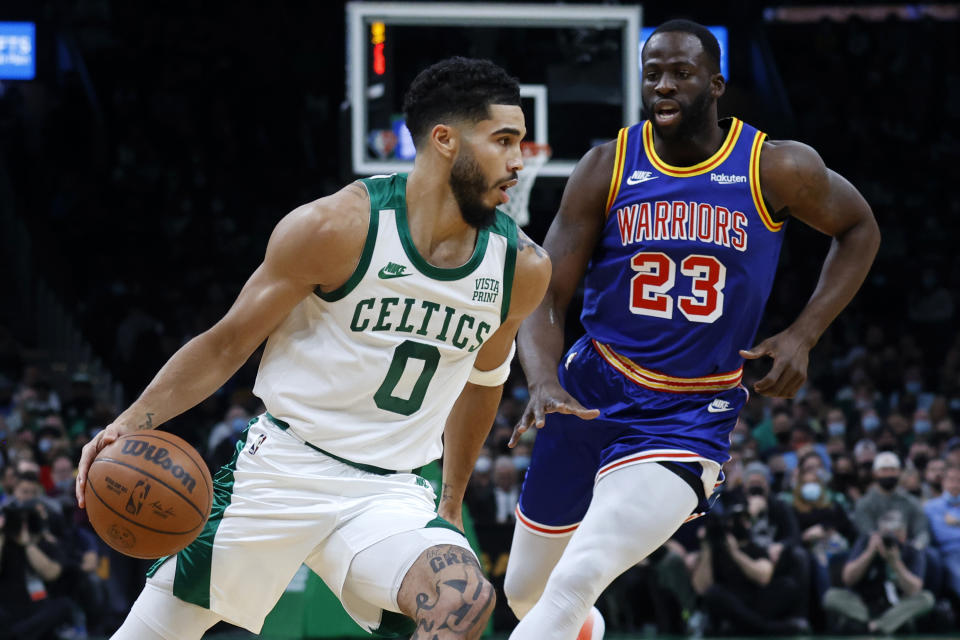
[140,493]
[148,494]
[160,457]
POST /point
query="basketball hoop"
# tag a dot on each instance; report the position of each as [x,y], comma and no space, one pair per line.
[535,155]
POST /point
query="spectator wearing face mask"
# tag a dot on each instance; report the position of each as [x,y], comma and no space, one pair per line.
[944,516]
[772,520]
[922,425]
[864,453]
[825,529]
[781,424]
[843,479]
[521,457]
[933,474]
[884,496]
[870,422]
[62,474]
[836,424]
[943,430]
[836,432]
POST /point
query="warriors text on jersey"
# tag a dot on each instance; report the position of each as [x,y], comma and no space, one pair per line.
[684,264]
[370,371]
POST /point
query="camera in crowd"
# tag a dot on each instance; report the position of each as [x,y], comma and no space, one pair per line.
[889,525]
[16,514]
[890,540]
[734,520]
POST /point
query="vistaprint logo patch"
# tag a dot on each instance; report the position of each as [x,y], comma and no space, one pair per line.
[727,178]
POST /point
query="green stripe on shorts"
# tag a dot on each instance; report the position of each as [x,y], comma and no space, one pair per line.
[192,580]
[369,468]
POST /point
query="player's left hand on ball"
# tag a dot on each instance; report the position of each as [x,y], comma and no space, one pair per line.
[789,371]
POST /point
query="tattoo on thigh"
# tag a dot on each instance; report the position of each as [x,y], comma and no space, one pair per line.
[458,603]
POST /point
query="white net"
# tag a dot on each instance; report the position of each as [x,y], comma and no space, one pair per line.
[534,157]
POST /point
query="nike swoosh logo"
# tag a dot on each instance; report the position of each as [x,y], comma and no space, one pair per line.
[386,276]
[713,409]
[632,181]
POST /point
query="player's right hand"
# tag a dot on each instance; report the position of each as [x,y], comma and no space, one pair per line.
[544,399]
[89,453]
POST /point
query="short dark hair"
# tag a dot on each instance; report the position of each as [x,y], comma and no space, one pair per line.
[461,88]
[707,40]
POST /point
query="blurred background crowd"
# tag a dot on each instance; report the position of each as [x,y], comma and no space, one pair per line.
[147,167]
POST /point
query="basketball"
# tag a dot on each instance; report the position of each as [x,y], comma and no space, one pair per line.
[149,494]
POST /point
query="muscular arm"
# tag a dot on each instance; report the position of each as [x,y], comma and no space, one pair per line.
[795,179]
[317,244]
[476,407]
[570,242]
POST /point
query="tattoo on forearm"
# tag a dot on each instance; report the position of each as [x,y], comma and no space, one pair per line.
[523,242]
[446,492]
[146,425]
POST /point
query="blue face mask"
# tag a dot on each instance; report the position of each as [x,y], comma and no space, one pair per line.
[521,462]
[737,439]
[836,428]
[871,423]
[914,387]
[811,491]
[922,426]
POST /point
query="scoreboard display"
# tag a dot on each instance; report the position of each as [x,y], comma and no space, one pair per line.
[18,51]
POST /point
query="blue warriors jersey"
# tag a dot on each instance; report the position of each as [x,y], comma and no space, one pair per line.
[685,263]
[675,288]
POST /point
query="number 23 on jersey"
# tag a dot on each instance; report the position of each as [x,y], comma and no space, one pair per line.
[652,289]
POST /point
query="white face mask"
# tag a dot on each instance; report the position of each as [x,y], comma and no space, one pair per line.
[483,465]
[811,491]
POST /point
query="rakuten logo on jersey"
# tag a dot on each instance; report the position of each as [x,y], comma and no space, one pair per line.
[727,178]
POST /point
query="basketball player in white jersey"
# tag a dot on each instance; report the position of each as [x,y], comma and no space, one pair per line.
[390,310]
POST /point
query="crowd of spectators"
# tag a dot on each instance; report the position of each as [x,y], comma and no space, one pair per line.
[841,509]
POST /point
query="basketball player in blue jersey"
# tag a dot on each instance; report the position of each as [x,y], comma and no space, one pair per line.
[675,229]
[389,310]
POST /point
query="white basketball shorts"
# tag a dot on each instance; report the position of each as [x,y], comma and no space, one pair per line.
[280,504]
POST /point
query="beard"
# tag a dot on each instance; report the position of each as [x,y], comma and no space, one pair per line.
[469,186]
[693,118]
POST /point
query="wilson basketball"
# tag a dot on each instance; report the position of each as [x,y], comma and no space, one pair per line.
[148,494]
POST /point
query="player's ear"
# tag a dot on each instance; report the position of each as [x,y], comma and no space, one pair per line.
[718,85]
[445,140]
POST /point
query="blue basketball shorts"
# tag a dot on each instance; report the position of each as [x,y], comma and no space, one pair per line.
[687,431]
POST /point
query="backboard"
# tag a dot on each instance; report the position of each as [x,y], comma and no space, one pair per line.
[577,64]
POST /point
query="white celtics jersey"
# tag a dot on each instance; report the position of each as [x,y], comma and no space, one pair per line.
[370,371]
